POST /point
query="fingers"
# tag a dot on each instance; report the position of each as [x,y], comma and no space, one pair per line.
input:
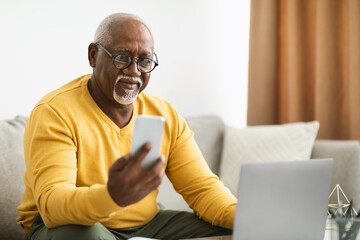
[135,183]
[160,164]
[140,155]
[156,172]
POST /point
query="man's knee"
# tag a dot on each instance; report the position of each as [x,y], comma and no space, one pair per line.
[78,232]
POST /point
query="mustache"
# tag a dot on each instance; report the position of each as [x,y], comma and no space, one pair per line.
[131,78]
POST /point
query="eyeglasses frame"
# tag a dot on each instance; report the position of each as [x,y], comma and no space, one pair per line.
[113,56]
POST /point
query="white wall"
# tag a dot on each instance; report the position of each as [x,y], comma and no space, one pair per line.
[202,47]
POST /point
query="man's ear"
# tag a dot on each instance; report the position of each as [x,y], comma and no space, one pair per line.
[92,54]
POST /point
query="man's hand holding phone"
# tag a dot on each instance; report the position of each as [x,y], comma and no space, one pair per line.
[128,183]
[140,172]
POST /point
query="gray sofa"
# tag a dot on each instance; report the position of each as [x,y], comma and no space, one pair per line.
[209,132]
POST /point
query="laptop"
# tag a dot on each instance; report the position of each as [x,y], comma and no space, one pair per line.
[283,200]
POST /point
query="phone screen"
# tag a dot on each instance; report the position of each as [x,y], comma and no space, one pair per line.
[148,129]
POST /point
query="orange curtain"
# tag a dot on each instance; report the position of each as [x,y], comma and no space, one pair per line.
[304,64]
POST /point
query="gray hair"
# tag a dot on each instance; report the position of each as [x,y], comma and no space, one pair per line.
[102,34]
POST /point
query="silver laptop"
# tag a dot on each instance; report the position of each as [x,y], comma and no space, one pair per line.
[283,200]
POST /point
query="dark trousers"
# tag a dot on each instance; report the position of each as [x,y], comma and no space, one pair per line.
[167,224]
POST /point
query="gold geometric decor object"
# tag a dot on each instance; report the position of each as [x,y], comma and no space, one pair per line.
[344,202]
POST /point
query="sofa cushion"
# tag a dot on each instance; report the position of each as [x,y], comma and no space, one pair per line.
[11,175]
[285,142]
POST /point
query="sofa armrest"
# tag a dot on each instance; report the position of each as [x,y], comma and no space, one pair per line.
[11,175]
[346,172]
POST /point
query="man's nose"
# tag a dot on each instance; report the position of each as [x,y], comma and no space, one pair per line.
[132,70]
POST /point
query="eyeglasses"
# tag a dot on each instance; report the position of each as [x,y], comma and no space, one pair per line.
[122,61]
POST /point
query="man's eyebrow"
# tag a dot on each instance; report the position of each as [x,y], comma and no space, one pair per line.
[122,50]
[149,55]
[146,54]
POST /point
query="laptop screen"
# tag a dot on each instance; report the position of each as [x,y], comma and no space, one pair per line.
[283,200]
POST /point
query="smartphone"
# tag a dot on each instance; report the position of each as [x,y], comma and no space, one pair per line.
[148,129]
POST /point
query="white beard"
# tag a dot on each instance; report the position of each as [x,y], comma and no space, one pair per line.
[128,98]
[130,95]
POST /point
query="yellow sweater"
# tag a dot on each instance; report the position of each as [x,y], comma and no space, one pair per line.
[70,145]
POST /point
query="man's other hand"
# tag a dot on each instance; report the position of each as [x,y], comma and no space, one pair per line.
[129,184]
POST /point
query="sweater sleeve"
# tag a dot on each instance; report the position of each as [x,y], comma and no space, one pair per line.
[193,179]
[51,161]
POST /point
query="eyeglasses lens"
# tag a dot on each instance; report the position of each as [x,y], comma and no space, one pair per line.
[143,64]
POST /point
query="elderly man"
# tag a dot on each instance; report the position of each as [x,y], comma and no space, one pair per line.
[82,183]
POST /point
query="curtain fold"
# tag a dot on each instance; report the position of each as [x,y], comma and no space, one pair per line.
[304,64]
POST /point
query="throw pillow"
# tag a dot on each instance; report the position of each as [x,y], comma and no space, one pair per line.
[292,141]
